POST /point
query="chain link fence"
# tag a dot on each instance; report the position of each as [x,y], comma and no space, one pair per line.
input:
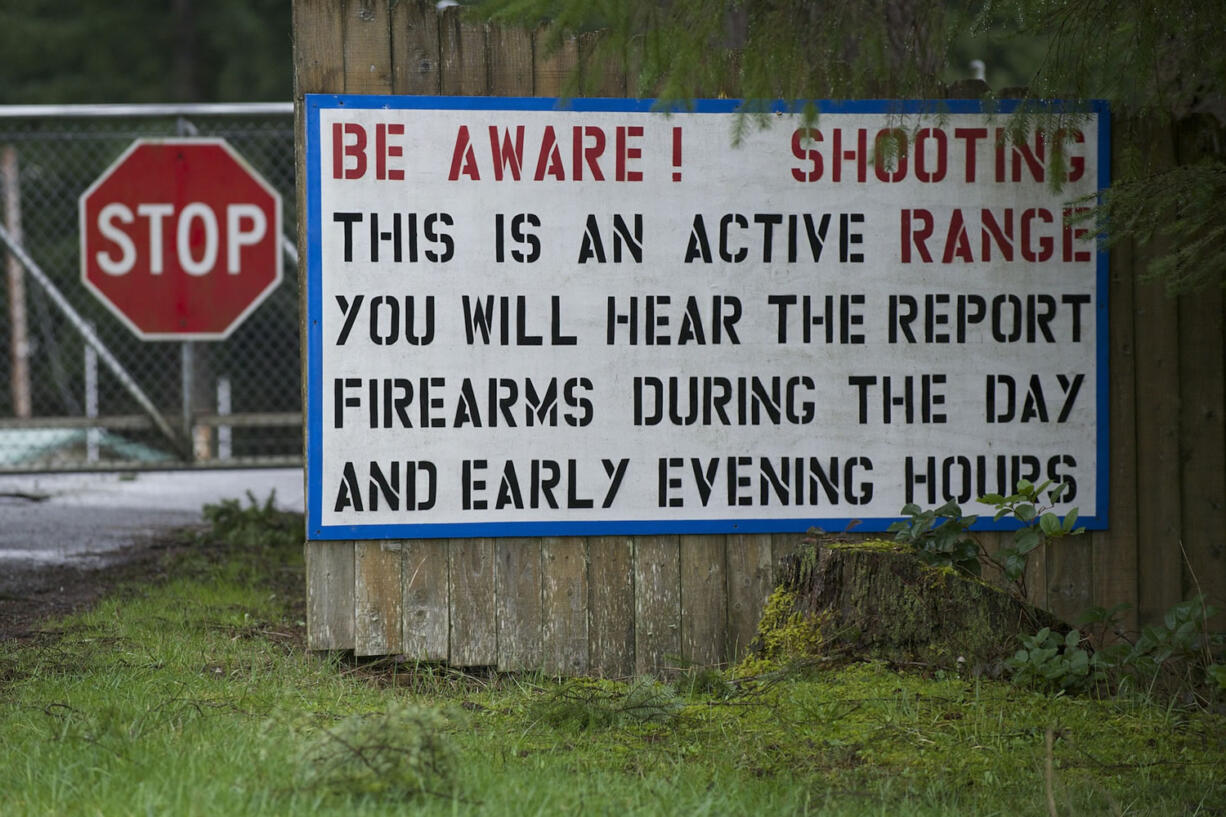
[232,402]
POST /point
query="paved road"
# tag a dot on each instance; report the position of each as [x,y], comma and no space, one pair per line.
[80,518]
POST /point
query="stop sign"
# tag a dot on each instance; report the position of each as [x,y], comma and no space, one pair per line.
[180,239]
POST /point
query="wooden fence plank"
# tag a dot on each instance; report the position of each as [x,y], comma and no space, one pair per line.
[1159,509]
[751,578]
[318,37]
[415,48]
[1203,446]
[329,565]
[329,574]
[551,71]
[1036,572]
[426,609]
[1070,576]
[784,545]
[367,48]
[509,52]
[517,583]
[564,606]
[704,600]
[601,79]
[611,606]
[1114,551]
[377,597]
[474,632]
[463,56]
[657,604]
[367,60]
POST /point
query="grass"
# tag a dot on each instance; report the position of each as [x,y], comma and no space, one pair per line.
[196,697]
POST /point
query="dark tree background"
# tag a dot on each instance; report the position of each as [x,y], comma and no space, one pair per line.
[71,51]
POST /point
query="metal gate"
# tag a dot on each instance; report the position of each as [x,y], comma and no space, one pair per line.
[78,390]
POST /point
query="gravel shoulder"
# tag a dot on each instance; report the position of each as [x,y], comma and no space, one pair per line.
[31,594]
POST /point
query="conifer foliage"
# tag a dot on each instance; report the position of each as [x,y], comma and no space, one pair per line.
[1160,66]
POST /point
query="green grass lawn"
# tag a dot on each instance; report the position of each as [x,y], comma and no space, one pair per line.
[195,696]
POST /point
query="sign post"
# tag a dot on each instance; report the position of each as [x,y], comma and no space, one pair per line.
[532,321]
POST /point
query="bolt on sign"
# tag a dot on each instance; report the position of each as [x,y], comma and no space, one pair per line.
[529,319]
[180,239]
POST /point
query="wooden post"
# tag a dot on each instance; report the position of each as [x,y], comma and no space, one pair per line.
[19,335]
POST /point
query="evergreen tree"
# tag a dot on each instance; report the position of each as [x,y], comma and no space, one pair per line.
[58,51]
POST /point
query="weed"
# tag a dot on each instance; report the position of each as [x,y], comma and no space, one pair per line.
[706,681]
[1057,663]
[942,536]
[257,525]
[585,703]
[404,750]
[1176,658]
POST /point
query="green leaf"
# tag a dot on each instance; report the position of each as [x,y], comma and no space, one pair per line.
[1070,520]
[951,509]
[1014,565]
[1050,524]
[1026,540]
[1024,512]
[991,499]
[1092,615]
[1072,639]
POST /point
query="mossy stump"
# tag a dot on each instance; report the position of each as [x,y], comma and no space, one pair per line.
[874,600]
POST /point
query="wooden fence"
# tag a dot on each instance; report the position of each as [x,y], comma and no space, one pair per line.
[617,606]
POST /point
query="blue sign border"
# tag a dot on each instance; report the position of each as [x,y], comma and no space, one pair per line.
[316,530]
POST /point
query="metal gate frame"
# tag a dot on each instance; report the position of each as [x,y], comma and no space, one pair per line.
[185,441]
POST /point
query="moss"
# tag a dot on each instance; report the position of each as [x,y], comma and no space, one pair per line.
[785,633]
[869,544]
[873,599]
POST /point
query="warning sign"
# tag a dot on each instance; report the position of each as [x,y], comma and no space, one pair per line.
[531,320]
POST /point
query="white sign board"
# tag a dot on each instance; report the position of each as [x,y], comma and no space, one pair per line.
[526,320]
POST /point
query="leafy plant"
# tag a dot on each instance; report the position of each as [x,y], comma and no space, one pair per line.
[1053,662]
[1039,524]
[1102,621]
[1217,677]
[1176,657]
[258,524]
[940,537]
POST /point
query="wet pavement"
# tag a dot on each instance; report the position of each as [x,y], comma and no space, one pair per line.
[79,519]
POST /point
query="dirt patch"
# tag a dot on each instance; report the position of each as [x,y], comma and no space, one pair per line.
[30,595]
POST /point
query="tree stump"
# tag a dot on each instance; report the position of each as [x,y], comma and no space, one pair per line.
[874,600]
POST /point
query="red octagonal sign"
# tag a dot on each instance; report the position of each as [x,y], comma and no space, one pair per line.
[180,239]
